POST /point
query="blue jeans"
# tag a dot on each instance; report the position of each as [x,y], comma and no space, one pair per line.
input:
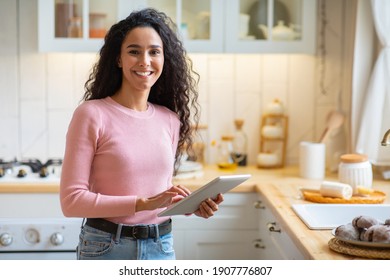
[95,244]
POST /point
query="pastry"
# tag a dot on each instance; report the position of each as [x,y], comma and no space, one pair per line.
[362,222]
[378,233]
[347,231]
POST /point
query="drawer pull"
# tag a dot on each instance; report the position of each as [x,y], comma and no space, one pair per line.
[258,243]
[259,205]
[272,227]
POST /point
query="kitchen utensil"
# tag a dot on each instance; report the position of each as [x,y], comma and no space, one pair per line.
[312,160]
[334,120]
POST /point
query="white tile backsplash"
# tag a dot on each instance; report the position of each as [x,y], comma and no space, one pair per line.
[32,73]
[9,84]
[247,74]
[60,81]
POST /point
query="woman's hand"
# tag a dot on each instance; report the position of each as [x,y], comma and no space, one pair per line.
[208,207]
[164,199]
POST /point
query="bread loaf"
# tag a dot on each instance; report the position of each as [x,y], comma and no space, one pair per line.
[336,189]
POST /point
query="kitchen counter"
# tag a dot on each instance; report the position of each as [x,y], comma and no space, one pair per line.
[29,187]
[278,187]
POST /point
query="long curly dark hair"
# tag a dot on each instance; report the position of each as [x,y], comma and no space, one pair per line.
[175,89]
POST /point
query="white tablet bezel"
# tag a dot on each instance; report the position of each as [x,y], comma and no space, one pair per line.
[190,204]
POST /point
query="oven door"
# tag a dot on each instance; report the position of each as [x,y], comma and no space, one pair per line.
[38,255]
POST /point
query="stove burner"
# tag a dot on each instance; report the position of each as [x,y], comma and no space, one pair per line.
[44,172]
[4,165]
[37,166]
[26,167]
[22,173]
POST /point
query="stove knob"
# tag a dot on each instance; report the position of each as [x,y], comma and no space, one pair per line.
[32,236]
[5,239]
[57,239]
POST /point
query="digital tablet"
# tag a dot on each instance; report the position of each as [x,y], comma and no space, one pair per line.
[190,204]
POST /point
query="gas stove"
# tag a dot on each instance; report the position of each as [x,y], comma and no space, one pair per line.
[32,225]
[30,171]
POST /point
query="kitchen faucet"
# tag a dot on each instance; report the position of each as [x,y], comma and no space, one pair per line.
[386,140]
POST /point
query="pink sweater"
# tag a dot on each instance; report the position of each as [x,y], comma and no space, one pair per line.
[114,155]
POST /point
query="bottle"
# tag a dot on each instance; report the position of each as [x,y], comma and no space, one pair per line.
[74,28]
[240,143]
[225,158]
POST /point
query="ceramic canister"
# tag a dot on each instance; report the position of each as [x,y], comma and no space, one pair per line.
[355,170]
[267,159]
[272,131]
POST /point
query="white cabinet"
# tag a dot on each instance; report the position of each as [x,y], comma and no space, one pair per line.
[74,25]
[270,26]
[243,228]
[200,22]
[80,25]
[273,241]
[230,234]
[207,26]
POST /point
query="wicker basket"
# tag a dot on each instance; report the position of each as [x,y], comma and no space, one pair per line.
[375,197]
[358,251]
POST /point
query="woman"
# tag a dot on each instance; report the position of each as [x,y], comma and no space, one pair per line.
[124,140]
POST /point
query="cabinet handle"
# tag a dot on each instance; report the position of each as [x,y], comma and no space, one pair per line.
[272,227]
[259,205]
[258,243]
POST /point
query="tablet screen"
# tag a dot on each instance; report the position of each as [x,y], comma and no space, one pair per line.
[190,204]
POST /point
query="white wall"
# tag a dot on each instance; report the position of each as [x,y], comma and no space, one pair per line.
[38,91]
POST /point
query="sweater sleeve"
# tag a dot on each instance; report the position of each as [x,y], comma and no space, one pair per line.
[77,200]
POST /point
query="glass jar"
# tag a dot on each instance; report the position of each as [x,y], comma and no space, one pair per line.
[240,143]
[355,170]
[75,28]
[97,25]
[226,158]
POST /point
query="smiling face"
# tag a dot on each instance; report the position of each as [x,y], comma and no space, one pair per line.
[141,59]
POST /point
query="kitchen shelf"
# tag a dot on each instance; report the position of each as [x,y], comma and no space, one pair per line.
[273,139]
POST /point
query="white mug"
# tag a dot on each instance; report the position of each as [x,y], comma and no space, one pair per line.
[312,158]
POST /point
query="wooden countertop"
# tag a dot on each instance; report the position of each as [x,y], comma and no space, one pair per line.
[29,188]
[278,187]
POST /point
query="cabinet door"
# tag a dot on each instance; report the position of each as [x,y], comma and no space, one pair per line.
[229,234]
[74,25]
[220,245]
[265,243]
[276,243]
[270,26]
